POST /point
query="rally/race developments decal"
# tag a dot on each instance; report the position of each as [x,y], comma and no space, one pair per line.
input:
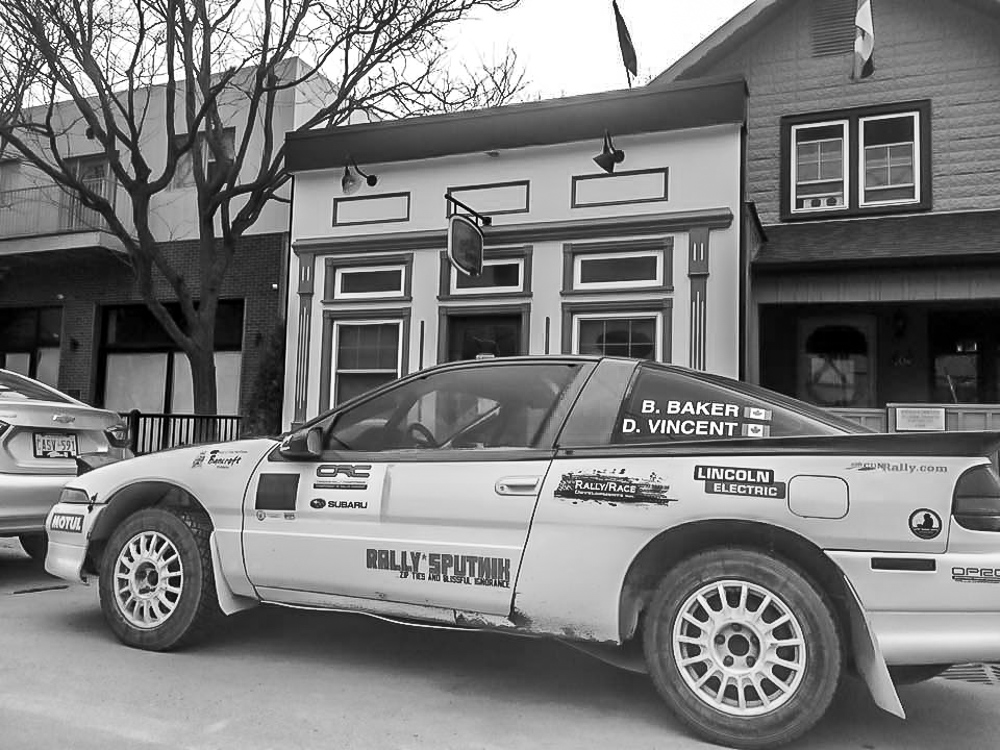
[613,486]
[701,419]
[471,570]
[734,480]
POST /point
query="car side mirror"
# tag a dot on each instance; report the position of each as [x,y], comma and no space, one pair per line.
[303,444]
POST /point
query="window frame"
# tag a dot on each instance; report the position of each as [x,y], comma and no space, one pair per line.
[863,167]
[660,248]
[206,156]
[339,325]
[854,204]
[448,286]
[662,309]
[340,272]
[336,266]
[845,179]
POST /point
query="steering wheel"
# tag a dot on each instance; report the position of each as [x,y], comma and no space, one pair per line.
[420,433]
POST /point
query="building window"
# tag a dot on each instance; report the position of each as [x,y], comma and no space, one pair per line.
[819,176]
[367,354]
[890,159]
[184,171]
[29,342]
[635,328]
[837,367]
[600,267]
[506,273]
[368,278]
[856,162]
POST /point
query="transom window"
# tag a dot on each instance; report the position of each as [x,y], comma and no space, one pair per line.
[367,354]
[820,172]
[858,161]
[497,276]
[369,283]
[617,270]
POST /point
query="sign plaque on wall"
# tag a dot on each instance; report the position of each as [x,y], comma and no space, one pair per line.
[919,419]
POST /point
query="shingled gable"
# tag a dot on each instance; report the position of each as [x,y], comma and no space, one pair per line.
[642,110]
[698,61]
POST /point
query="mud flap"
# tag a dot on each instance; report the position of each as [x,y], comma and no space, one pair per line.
[868,657]
[229,602]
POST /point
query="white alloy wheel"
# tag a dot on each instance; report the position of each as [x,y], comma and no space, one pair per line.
[739,648]
[148,579]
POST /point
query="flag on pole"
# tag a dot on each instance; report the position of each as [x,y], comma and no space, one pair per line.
[625,41]
[864,41]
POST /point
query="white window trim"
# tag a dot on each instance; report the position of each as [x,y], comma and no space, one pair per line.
[862,173]
[632,315]
[580,258]
[794,166]
[519,262]
[335,346]
[339,274]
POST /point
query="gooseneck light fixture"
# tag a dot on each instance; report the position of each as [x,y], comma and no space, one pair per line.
[609,155]
[350,182]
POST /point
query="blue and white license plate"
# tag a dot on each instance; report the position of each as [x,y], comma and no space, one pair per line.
[55,445]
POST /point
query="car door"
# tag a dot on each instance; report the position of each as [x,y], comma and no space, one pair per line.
[422,494]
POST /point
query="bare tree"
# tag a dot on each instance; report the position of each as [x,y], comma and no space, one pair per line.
[152,84]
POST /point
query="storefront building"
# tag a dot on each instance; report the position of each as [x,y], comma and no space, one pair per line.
[645,261]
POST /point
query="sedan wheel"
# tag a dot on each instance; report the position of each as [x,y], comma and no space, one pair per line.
[743,647]
[157,584]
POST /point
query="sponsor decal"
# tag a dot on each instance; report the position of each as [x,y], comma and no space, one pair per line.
[470,570]
[699,419]
[350,471]
[319,503]
[613,486]
[736,480]
[289,516]
[925,523]
[897,467]
[975,575]
[340,486]
[218,458]
[66,522]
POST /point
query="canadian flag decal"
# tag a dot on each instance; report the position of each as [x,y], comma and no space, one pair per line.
[756,430]
[752,412]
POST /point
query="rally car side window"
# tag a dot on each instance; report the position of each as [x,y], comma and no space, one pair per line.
[665,405]
[475,407]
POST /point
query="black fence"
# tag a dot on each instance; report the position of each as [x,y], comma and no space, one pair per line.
[155,432]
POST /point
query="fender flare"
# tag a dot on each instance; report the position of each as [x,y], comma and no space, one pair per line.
[868,656]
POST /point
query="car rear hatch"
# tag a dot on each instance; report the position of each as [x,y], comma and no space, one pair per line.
[44,437]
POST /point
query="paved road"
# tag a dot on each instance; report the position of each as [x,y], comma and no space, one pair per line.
[286,679]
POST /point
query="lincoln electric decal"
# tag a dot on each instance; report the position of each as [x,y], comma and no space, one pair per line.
[699,419]
[733,480]
[613,486]
[470,570]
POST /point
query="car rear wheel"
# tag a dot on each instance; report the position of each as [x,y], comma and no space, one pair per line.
[36,545]
[157,586]
[743,647]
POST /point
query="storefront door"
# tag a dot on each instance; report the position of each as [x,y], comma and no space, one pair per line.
[470,336]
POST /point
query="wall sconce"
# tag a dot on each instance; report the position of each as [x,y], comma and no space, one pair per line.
[350,183]
[609,156]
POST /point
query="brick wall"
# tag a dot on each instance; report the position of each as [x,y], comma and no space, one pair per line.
[942,50]
[82,281]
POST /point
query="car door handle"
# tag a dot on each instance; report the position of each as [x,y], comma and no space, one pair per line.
[517,485]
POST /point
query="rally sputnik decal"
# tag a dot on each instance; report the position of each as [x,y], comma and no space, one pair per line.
[471,570]
[613,486]
[734,480]
[218,458]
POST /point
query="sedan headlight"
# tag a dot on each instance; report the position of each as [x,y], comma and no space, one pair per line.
[74,496]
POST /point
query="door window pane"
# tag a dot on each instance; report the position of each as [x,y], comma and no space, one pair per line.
[618,336]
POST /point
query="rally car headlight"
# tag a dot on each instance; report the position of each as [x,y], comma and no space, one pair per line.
[74,496]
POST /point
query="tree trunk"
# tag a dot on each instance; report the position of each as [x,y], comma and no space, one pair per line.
[202,359]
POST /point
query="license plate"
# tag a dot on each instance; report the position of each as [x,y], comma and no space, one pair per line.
[54,445]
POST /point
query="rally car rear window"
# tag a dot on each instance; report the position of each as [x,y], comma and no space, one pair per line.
[665,405]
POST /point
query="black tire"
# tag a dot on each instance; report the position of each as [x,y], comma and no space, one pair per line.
[35,545]
[190,599]
[749,576]
[911,674]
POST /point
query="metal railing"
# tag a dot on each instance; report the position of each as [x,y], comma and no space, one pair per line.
[48,209]
[156,432]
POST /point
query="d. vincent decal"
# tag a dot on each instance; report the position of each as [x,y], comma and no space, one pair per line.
[734,480]
[699,419]
[613,486]
[471,570]
[220,459]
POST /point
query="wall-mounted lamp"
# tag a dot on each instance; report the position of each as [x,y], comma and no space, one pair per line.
[350,183]
[609,156]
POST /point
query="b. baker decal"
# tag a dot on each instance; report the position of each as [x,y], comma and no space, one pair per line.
[735,480]
[471,570]
[218,458]
[613,485]
[66,522]
[699,419]
[925,523]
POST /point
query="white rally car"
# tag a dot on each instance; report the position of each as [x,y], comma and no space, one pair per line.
[754,549]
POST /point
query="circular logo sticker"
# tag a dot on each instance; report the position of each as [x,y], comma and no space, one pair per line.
[925,523]
[317,503]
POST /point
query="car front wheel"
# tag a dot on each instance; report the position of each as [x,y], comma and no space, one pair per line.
[743,647]
[157,587]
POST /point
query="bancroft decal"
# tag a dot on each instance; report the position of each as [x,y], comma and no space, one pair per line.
[613,485]
[735,480]
[218,458]
[471,570]
[896,467]
[975,575]
[66,522]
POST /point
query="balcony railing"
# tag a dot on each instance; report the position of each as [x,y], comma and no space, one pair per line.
[48,209]
[156,432]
